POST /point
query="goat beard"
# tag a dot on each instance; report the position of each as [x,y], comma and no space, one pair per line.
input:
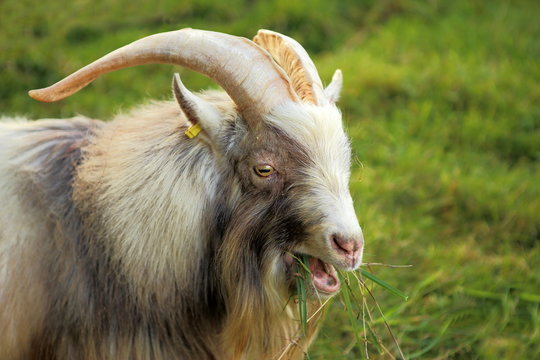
[262,321]
[262,317]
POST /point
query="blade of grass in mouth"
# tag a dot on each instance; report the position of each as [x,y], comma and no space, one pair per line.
[303,273]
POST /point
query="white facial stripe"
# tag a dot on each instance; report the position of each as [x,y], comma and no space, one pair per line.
[320,130]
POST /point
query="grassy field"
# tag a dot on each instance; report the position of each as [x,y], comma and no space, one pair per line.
[442,101]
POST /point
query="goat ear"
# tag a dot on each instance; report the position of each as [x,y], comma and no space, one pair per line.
[334,88]
[197,111]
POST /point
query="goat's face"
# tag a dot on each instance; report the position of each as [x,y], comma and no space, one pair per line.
[293,172]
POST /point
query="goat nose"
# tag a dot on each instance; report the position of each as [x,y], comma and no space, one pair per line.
[348,246]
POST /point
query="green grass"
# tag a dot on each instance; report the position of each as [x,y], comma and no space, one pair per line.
[442,101]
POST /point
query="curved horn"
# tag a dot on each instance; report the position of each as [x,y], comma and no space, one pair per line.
[292,57]
[243,69]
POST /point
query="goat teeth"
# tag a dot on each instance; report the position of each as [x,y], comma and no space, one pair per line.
[326,269]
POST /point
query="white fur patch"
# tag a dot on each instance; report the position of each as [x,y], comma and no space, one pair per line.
[152,206]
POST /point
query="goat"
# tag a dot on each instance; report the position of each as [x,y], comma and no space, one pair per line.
[171,232]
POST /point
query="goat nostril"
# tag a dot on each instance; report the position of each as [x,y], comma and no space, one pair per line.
[342,244]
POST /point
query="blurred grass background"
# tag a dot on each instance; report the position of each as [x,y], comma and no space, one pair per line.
[442,101]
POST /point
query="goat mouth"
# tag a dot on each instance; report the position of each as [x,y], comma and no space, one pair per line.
[323,276]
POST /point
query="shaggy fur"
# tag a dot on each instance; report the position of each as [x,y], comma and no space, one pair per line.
[127,240]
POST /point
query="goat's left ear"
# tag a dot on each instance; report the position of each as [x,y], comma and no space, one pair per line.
[334,88]
[199,112]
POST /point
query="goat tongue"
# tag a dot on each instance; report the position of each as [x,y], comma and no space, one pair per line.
[323,276]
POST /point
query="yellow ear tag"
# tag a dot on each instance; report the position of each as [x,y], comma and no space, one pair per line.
[193,131]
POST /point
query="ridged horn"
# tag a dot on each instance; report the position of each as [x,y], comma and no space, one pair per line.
[243,69]
[294,59]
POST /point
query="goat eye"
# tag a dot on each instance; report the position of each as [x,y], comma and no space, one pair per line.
[264,170]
